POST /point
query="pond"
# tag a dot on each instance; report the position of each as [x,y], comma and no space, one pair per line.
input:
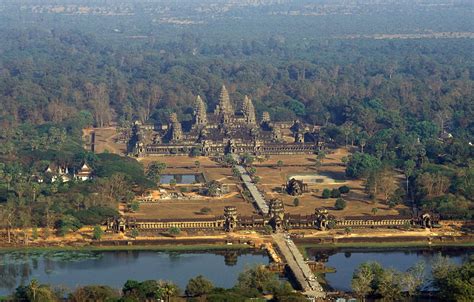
[185,179]
[345,261]
[114,268]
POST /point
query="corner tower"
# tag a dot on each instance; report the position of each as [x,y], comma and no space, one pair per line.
[176,129]
[249,111]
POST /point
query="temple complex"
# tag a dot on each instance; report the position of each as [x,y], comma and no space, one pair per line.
[223,131]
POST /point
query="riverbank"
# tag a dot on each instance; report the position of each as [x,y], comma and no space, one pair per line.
[303,247]
[158,248]
[360,238]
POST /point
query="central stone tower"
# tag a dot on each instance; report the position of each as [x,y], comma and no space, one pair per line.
[224,109]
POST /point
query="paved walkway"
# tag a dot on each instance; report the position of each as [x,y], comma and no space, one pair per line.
[290,252]
[256,195]
[301,270]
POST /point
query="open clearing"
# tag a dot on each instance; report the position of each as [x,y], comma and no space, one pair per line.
[190,209]
[332,171]
[105,140]
[184,209]
[272,179]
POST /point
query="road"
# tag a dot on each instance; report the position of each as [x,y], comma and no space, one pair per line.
[301,270]
[256,195]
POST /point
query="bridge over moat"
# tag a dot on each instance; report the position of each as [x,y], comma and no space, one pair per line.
[298,266]
[290,253]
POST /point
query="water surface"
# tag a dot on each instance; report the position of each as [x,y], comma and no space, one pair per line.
[114,268]
[186,179]
[345,261]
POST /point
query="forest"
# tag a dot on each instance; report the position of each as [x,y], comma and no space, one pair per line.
[404,104]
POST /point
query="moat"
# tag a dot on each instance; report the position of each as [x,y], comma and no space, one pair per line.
[346,260]
[185,179]
[114,268]
[75,268]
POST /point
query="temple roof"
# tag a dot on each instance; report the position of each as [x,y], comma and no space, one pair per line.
[224,106]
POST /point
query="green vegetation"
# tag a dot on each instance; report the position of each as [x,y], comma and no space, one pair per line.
[108,165]
[205,210]
[35,291]
[340,204]
[134,233]
[454,282]
[296,202]
[93,293]
[97,233]
[253,283]
[236,172]
[361,164]
[256,179]
[149,290]
[252,171]
[371,279]
[256,281]
[154,171]
[247,159]
[344,189]
[198,286]
[326,193]
[280,164]
[134,206]
[404,105]
[213,188]
[174,231]
[335,193]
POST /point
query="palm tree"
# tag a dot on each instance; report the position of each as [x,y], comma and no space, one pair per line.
[374,211]
[362,143]
[236,172]
[35,187]
[33,287]
[408,170]
[197,164]
[168,290]
[8,216]
[280,164]
[321,156]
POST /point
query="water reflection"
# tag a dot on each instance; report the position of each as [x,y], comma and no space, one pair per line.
[230,258]
[70,268]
